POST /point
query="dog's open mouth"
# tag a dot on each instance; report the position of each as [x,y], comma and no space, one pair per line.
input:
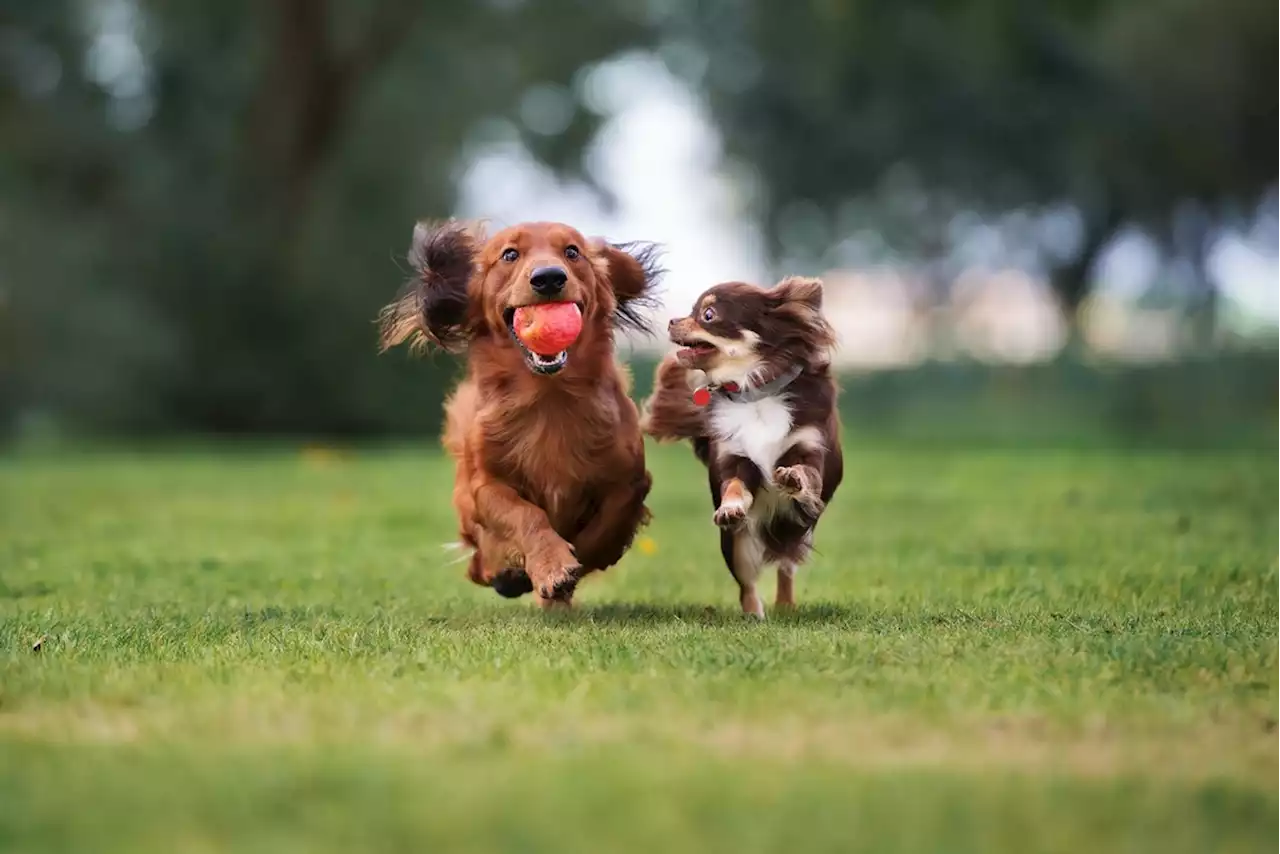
[692,348]
[539,363]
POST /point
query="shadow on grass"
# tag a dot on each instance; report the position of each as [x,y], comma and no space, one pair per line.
[707,615]
[862,617]
[174,633]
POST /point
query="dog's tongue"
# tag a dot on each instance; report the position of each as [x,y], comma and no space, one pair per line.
[548,328]
[688,356]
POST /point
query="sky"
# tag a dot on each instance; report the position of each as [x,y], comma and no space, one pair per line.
[659,156]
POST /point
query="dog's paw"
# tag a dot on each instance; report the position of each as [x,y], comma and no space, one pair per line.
[793,480]
[555,571]
[730,515]
[560,586]
[801,484]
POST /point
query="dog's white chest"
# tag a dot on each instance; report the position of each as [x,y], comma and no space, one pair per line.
[759,431]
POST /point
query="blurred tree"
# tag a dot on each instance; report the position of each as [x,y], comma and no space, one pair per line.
[1160,114]
[202,200]
[1200,140]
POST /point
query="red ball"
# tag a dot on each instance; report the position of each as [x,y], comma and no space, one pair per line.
[549,327]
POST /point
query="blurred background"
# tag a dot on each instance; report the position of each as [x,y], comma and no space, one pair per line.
[1050,221]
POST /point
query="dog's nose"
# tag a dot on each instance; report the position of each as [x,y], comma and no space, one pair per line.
[548,281]
[671,324]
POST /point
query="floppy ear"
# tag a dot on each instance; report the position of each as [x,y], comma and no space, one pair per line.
[432,307]
[633,271]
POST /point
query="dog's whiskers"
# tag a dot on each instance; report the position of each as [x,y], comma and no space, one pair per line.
[462,550]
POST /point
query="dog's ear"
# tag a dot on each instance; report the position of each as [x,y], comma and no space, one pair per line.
[801,299]
[433,307]
[798,289]
[633,272]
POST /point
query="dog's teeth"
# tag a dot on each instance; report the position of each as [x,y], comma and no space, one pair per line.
[548,363]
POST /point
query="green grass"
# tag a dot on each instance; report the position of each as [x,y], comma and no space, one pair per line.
[995,651]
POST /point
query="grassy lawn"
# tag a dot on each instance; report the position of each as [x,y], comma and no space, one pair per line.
[996,651]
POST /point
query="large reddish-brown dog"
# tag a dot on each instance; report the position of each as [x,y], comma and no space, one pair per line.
[550,476]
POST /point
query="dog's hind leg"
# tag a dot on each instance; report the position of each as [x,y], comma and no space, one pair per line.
[734,482]
[744,555]
[613,525]
[786,585]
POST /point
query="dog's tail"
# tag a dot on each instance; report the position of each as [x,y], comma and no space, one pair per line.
[670,413]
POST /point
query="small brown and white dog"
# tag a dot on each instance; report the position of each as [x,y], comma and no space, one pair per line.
[751,387]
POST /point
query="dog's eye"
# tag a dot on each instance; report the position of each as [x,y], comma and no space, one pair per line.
[510,255]
[708,314]
[571,252]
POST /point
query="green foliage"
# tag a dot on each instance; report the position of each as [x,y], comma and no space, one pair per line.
[219,266]
[1126,112]
[996,651]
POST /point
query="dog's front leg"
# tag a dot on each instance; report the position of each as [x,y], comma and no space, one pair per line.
[799,475]
[734,482]
[548,559]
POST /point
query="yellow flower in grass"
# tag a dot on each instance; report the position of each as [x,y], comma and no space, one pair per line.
[319,456]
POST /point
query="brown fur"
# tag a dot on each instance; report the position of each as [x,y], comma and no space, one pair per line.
[751,336]
[550,478]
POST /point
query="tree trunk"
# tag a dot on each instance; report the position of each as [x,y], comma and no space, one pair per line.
[296,111]
[304,99]
[1192,238]
[1072,281]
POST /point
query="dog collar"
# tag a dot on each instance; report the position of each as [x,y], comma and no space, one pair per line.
[750,394]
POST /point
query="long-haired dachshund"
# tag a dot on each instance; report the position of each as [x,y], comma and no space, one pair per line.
[550,479]
[751,387]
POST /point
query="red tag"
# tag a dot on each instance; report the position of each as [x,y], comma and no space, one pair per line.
[702,396]
[731,387]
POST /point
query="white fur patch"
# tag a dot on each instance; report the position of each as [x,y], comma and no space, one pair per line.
[759,430]
[807,437]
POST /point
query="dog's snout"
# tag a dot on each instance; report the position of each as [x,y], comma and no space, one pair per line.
[548,281]
[671,324]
